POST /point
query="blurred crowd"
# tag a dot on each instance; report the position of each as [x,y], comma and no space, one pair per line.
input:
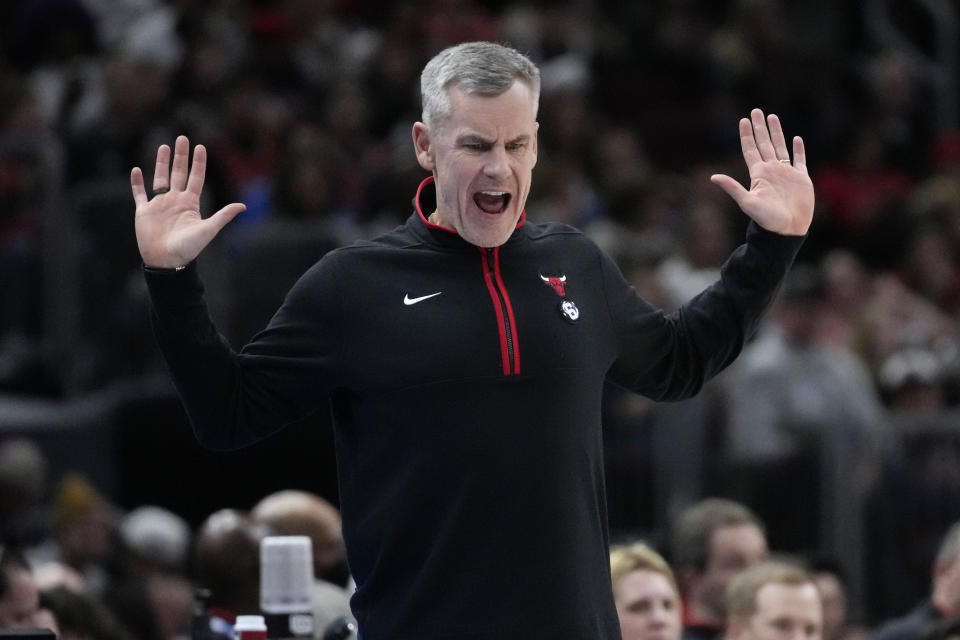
[306,109]
[82,566]
[88,570]
[726,583]
[838,422]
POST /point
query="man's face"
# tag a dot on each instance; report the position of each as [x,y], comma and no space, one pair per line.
[730,550]
[20,603]
[482,157]
[784,612]
[648,606]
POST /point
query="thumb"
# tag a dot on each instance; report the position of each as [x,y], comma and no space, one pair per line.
[733,188]
[223,217]
[210,227]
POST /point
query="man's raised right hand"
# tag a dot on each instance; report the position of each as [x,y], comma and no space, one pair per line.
[170,231]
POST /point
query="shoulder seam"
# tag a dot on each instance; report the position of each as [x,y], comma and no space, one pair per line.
[369,244]
[555,230]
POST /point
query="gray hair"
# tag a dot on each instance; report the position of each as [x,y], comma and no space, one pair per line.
[483,68]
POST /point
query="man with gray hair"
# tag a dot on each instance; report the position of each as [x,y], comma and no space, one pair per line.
[944,601]
[463,356]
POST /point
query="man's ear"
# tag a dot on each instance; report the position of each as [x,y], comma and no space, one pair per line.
[423,146]
[536,129]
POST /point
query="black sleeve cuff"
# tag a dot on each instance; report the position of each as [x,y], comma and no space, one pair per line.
[776,247]
[173,284]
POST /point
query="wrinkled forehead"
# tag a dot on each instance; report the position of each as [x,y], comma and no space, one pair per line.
[513,107]
[516,103]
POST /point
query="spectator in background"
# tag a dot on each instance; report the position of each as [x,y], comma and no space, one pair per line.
[794,398]
[712,542]
[52,574]
[157,539]
[855,192]
[707,235]
[154,598]
[227,559]
[134,86]
[28,157]
[790,380]
[831,582]
[84,529]
[298,513]
[646,594]
[19,600]
[912,380]
[774,601]
[894,317]
[847,288]
[944,601]
[81,616]
[23,483]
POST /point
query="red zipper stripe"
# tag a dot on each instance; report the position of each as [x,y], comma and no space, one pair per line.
[501,327]
[513,322]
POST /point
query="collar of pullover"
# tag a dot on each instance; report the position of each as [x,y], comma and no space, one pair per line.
[439,235]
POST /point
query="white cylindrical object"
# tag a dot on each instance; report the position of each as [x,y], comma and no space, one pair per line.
[286,574]
[250,628]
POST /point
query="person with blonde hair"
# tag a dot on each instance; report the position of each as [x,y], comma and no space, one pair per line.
[645,593]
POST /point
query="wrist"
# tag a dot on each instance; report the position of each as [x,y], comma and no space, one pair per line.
[158,269]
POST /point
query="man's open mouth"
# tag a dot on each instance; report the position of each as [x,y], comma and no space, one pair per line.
[492,201]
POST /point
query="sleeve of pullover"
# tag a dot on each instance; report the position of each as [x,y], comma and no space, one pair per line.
[285,373]
[669,356]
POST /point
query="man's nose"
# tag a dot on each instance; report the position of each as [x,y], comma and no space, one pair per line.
[496,165]
[659,616]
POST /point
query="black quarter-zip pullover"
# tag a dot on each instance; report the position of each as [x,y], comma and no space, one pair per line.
[465,386]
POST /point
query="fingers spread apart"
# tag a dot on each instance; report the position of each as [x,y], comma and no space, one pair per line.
[165,179]
[762,140]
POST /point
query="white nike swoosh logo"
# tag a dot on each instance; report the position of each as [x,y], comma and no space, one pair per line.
[407,300]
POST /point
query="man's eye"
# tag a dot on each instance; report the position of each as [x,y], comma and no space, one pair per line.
[782,625]
[641,606]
